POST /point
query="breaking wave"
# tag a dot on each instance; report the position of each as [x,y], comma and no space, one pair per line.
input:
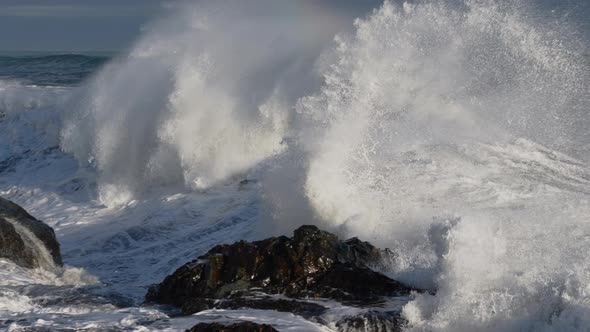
[454,133]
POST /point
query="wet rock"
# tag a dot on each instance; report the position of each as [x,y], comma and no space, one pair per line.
[25,240]
[259,301]
[313,263]
[372,321]
[351,283]
[236,327]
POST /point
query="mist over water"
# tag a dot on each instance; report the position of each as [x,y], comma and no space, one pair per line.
[454,133]
[203,96]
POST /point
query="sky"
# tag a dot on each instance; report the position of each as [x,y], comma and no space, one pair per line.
[74,25]
[113,25]
[90,25]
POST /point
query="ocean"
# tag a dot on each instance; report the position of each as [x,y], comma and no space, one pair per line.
[455,133]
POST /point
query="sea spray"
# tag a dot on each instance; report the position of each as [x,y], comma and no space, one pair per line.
[420,91]
[435,112]
[454,133]
[203,96]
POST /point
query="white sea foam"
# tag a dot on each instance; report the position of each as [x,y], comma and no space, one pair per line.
[454,133]
[202,97]
[432,120]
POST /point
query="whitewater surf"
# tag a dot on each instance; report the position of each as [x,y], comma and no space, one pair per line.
[453,133]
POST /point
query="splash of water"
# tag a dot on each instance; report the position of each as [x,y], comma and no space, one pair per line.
[202,97]
[454,133]
[418,95]
[439,127]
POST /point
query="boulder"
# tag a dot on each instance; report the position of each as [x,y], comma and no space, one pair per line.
[25,240]
[236,327]
[312,263]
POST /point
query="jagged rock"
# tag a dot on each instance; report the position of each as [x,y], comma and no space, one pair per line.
[236,327]
[25,240]
[313,263]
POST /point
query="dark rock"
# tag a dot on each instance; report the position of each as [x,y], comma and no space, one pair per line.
[351,283]
[313,263]
[236,327]
[25,240]
[262,302]
[372,321]
[302,308]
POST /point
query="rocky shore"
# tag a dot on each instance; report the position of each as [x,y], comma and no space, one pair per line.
[25,240]
[304,275]
[288,274]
